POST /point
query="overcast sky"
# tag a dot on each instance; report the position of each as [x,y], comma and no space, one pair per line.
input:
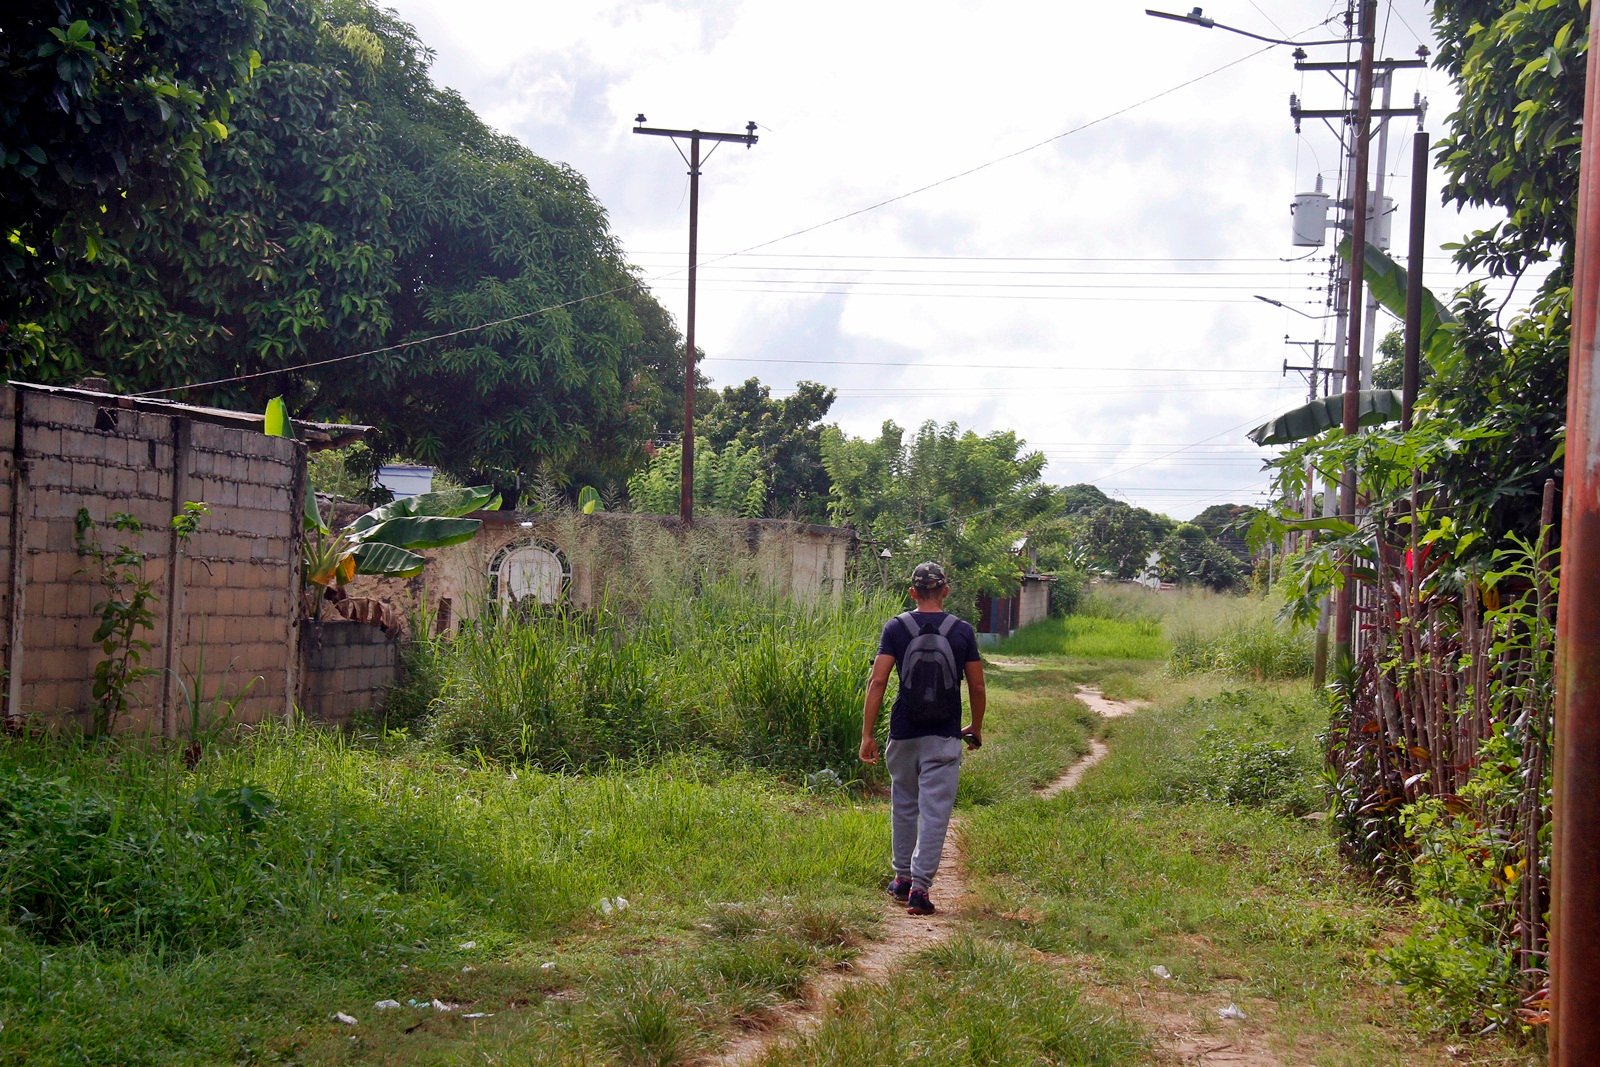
[1090,287]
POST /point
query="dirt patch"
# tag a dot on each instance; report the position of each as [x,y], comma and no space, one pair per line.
[1106,708]
[1196,1035]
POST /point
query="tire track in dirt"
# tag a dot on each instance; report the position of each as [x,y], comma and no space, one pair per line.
[904,935]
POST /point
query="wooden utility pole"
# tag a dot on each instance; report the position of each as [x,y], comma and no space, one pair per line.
[1415,247]
[694,137]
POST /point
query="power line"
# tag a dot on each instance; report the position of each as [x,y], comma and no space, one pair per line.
[979,366]
[1014,272]
[400,346]
[1154,298]
[1119,286]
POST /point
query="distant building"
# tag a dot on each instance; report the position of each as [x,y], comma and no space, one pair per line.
[404,480]
[1000,616]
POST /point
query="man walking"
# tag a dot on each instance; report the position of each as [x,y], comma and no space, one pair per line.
[933,651]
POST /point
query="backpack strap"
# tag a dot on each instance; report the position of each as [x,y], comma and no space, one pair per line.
[947,626]
[906,619]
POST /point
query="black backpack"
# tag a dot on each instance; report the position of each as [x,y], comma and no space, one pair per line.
[928,669]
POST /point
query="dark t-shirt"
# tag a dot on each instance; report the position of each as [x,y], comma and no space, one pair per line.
[963,642]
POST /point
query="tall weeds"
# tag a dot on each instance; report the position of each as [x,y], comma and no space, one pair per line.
[729,668]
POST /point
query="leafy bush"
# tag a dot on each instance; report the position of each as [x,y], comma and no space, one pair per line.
[1067,592]
[1460,962]
[1248,754]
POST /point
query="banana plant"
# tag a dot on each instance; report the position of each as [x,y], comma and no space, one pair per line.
[384,542]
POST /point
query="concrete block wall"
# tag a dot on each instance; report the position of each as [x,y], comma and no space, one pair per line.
[224,600]
[241,576]
[348,667]
[1035,604]
[798,559]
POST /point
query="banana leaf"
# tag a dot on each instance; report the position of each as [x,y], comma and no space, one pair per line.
[387,561]
[417,531]
[275,422]
[1386,280]
[446,503]
[1372,407]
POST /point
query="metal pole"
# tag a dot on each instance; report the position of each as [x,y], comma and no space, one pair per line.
[1575,803]
[1341,325]
[1344,613]
[1369,338]
[686,482]
[1414,250]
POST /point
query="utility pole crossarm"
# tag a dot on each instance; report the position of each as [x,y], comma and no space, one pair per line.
[746,139]
[1349,114]
[1382,64]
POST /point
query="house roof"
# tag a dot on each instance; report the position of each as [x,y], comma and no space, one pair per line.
[318,436]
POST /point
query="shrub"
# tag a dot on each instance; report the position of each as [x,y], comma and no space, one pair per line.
[1067,592]
[1251,754]
[1460,962]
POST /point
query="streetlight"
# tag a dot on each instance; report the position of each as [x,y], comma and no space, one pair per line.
[1297,311]
[1196,18]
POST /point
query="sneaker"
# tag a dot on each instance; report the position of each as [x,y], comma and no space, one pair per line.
[918,903]
[900,888]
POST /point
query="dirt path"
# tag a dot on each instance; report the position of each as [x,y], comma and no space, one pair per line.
[1106,709]
[905,935]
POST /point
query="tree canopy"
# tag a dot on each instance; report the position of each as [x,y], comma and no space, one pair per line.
[106,110]
[959,497]
[786,434]
[355,206]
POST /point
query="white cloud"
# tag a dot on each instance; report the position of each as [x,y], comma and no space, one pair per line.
[860,102]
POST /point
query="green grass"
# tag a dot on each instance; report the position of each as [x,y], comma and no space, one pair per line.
[771,681]
[1088,637]
[1039,729]
[373,870]
[1241,637]
[1241,900]
[160,915]
[969,1001]
[1196,631]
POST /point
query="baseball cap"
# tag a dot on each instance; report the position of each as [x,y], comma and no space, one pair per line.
[928,576]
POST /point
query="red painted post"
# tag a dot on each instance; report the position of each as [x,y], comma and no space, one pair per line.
[1575,855]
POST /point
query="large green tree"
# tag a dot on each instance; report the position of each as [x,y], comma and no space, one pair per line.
[787,434]
[106,110]
[1518,67]
[357,207]
[959,497]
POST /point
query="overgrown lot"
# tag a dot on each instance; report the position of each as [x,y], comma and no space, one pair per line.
[647,911]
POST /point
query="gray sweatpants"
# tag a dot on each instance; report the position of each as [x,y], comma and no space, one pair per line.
[923,772]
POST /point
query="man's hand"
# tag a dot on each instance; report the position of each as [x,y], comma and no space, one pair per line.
[973,736]
[869,749]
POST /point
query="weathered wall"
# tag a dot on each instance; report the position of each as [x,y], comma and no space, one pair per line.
[224,614]
[347,668]
[601,550]
[1035,605]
